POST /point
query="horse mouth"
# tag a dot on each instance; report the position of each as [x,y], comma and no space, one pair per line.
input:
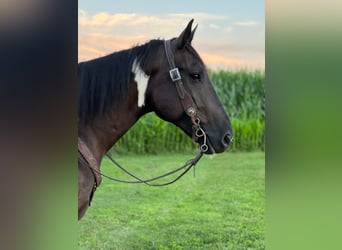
[210,147]
[210,150]
[207,147]
[209,143]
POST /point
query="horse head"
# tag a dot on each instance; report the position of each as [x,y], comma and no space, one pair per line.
[179,90]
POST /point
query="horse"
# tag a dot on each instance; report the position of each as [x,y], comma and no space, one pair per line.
[166,77]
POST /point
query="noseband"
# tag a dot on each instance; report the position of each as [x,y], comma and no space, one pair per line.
[189,106]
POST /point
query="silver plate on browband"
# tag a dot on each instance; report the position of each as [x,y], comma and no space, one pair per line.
[175,75]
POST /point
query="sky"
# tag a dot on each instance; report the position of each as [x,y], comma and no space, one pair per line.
[230,34]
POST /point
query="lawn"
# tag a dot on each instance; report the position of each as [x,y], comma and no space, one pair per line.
[221,206]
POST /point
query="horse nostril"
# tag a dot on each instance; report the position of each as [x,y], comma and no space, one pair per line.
[226,140]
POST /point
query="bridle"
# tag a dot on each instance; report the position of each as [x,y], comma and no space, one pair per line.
[190,108]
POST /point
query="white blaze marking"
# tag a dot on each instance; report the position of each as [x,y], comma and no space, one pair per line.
[142,80]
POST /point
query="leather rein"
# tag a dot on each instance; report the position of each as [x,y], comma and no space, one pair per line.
[190,109]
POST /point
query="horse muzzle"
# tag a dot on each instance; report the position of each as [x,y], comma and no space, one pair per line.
[216,145]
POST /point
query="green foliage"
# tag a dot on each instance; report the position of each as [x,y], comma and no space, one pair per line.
[242,94]
[249,134]
[221,208]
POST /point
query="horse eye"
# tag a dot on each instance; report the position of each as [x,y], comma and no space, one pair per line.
[196,77]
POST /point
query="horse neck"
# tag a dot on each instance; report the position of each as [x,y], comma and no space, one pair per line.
[104,131]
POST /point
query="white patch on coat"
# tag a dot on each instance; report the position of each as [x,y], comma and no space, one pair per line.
[142,81]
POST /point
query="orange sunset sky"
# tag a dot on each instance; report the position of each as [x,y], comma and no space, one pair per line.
[230,34]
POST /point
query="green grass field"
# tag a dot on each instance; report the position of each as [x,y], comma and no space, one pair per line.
[222,207]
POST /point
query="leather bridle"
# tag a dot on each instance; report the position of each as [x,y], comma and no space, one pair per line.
[189,106]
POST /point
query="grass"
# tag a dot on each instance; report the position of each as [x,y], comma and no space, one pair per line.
[222,207]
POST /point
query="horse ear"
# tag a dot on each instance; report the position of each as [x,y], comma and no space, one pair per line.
[186,36]
[193,32]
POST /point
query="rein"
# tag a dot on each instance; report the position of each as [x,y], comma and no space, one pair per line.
[187,166]
[190,109]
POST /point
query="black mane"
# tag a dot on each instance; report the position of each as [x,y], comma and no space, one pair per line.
[104,81]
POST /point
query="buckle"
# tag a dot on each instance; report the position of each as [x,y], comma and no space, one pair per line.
[175,75]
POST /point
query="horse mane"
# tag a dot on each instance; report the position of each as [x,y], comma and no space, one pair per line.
[105,81]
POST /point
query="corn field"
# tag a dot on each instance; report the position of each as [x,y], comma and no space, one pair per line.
[242,94]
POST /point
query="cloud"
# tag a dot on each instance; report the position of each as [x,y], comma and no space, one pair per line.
[217,27]
[214,26]
[103,33]
[217,54]
[96,44]
[104,19]
[217,59]
[247,24]
[123,24]
[229,29]
[222,62]
[198,16]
